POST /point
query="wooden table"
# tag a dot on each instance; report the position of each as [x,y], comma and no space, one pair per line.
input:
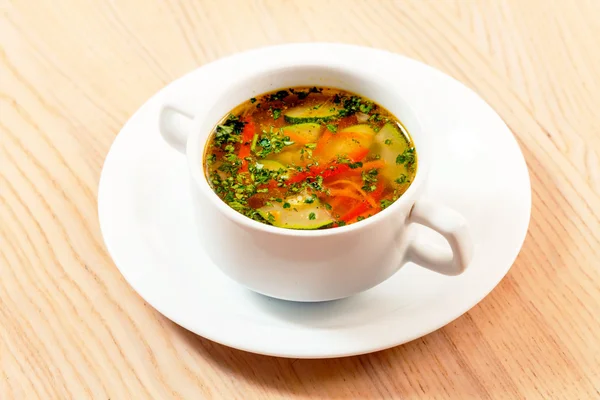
[73,71]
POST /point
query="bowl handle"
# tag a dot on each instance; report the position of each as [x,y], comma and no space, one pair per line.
[175,125]
[453,227]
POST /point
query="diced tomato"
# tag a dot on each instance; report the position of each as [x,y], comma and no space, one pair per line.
[336,170]
[248,132]
[247,136]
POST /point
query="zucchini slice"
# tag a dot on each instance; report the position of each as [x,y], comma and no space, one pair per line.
[289,157]
[391,142]
[360,128]
[299,214]
[273,165]
[303,133]
[311,114]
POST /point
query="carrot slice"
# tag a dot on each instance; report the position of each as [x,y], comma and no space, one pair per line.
[335,170]
[300,176]
[358,154]
[326,171]
[377,164]
[369,213]
[322,141]
[355,212]
[298,139]
[376,194]
[334,202]
[356,187]
[345,193]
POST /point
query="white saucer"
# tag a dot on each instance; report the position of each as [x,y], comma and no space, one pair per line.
[146,220]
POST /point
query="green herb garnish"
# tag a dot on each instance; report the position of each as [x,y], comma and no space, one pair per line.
[369,179]
[354,104]
[407,157]
[366,107]
[385,203]
[229,132]
[278,96]
[401,179]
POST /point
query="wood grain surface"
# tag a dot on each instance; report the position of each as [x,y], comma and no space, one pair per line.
[73,71]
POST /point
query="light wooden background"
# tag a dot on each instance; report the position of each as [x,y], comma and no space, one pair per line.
[73,71]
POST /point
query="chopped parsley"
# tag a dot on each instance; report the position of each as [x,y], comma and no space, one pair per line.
[312,216]
[229,132]
[276,113]
[271,142]
[345,160]
[317,184]
[304,94]
[366,107]
[375,118]
[332,128]
[385,203]
[401,179]
[407,157]
[278,96]
[369,179]
[354,104]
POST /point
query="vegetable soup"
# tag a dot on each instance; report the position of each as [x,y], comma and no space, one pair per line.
[309,158]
